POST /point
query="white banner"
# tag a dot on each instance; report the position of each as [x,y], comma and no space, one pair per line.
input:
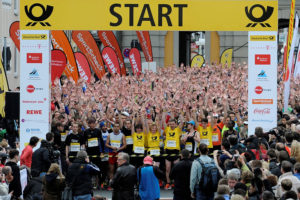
[34,85]
[262,80]
[287,83]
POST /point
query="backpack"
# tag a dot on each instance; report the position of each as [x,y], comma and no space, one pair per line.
[209,178]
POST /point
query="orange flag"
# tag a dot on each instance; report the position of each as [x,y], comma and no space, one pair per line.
[87,45]
[60,41]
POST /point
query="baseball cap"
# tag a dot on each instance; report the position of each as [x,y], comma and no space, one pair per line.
[125,113]
[191,122]
[148,160]
[246,122]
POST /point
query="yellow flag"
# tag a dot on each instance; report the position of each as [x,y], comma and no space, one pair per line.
[226,57]
[197,61]
[3,89]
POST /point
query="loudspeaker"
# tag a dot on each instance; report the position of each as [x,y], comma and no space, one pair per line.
[12,105]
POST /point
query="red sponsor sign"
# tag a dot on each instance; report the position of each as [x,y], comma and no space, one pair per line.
[30,88]
[135,61]
[264,111]
[87,45]
[111,60]
[258,90]
[14,32]
[58,63]
[34,57]
[34,112]
[262,59]
[108,39]
[144,39]
[83,67]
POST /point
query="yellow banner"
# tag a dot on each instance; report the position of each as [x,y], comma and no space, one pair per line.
[3,89]
[192,15]
[197,61]
[226,57]
[290,34]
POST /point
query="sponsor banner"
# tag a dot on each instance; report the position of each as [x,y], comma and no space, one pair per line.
[34,85]
[14,33]
[83,67]
[135,61]
[163,15]
[108,39]
[145,42]
[290,37]
[87,45]
[290,59]
[197,61]
[58,63]
[61,42]
[226,57]
[262,80]
[111,60]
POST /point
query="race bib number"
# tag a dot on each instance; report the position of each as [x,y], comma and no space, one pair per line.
[129,140]
[215,138]
[63,136]
[154,152]
[204,141]
[189,146]
[139,149]
[93,142]
[75,147]
[115,143]
[171,143]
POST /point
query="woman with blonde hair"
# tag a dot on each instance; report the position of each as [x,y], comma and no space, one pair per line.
[53,183]
[295,150]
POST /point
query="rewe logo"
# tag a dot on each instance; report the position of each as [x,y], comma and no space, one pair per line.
[266,14]
[45,14]
[262,59]
[34,112]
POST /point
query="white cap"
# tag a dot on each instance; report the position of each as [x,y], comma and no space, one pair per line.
[246,122]
[125,113]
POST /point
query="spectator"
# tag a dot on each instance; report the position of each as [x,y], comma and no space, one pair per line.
[267,195]
[4,195]
[224,191]
[286,169]
[295,151]
[297,170]
[15,185]
[273,164]
[290,195]
[26,156]
[148,177]
[286,185]
[33,190]
[79,176]
[181,176]
[41,159]
[54,183]
[232,180]
[196,175]
[124,179]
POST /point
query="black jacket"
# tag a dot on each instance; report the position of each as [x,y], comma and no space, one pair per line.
[15,185]
[33,188]
[123,182]
[274,168]
[41,158]
[181,176]
[79,177]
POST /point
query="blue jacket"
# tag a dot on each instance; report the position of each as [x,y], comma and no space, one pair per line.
[148,184]
[297,175]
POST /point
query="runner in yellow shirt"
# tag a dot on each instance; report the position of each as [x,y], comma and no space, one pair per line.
[172,134]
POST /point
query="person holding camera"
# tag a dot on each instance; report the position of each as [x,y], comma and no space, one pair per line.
[41,158]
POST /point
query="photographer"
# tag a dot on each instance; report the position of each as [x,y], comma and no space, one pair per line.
[44,156]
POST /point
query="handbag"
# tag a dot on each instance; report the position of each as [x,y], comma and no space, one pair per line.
[67,194]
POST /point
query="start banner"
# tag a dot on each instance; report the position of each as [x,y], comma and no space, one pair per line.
[34,85]
[166,15]
[262,80]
